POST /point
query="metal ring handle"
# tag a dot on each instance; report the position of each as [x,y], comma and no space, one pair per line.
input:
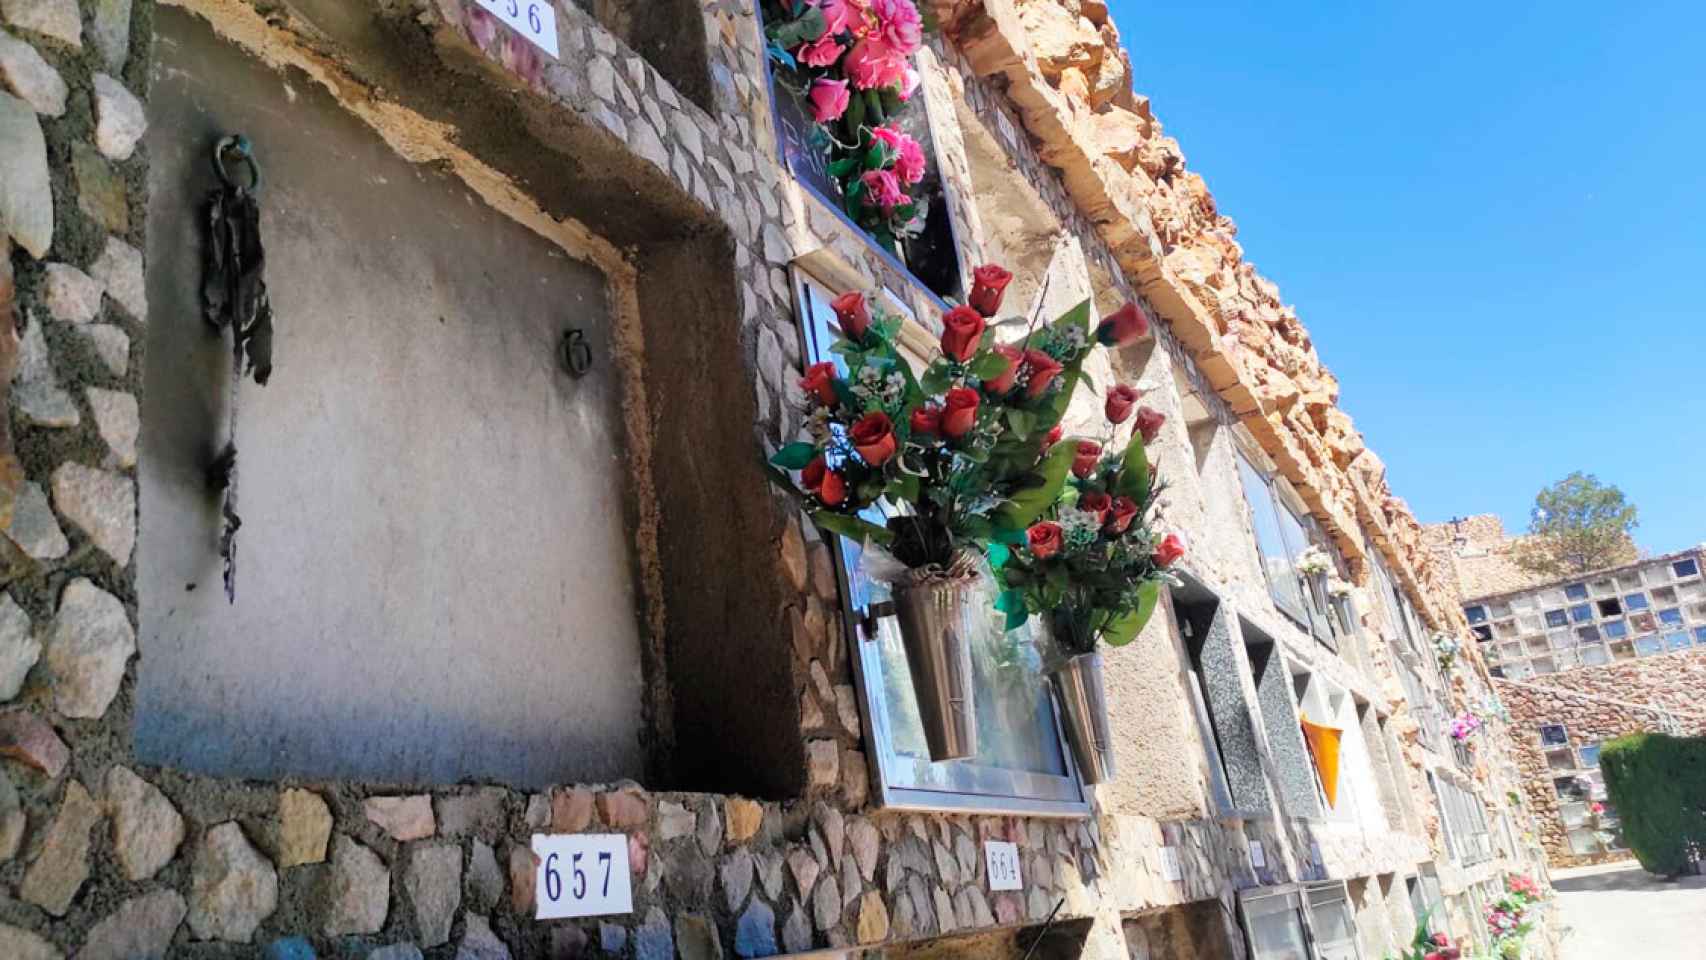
[238,144]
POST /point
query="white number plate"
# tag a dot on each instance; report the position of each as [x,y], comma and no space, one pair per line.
[581,875]
[1003,860]
[534,19]
[1258,855]
[1170,867]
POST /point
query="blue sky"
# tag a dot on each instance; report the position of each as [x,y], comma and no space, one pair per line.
[1490,216]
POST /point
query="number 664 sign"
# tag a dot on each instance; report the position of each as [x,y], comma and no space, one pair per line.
[581,875]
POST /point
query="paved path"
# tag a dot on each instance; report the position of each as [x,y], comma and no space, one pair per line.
[1620,912]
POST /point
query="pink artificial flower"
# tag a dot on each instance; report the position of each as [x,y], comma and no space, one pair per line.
[829,99]
[872,65]
[909,164]
[822,52]
[883,190]
[899,25]
[839,16]
[908,83]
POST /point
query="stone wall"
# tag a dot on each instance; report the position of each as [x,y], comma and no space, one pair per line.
[1479,555]
[1595,704]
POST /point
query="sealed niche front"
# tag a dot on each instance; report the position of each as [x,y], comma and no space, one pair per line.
[434,572]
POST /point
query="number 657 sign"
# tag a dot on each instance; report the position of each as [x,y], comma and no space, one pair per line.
[581,875]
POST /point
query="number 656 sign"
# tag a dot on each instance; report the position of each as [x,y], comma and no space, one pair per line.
[534,19]
[581,875]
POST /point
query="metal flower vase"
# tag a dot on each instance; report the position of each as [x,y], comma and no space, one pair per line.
[1084,707]
[938,620]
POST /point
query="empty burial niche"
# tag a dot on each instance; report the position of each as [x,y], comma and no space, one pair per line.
[434,572]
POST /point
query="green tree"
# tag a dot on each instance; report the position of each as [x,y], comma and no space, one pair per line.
[1578,524]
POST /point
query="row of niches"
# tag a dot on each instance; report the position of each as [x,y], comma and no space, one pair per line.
[1591,824]
[1670,582]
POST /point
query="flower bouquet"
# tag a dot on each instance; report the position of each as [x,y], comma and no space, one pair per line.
[1314,562]
[848,63]
[1463,726]
[1446,648]
[962,453]
[1429,946]
[1091,568]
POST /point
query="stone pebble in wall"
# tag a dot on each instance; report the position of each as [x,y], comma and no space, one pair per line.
[26,194]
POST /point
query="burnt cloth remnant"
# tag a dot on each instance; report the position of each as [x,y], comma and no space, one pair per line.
[234,297]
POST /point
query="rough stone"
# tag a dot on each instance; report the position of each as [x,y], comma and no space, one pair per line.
[569,943]
[674,820]
[479,813]
[796,931]
[90,643]
[653,940]
[966,852]
[305,827]
[866,842]
[432,881]
[855,779]
[232,887]
[13,820]
[846,702]
[612,939]
[63,864]
[850,884]
[696,938]
[571,811]
[755,932]
[25,73]
[873,918]
[36,531]
[120,119]
[147,829]
[58,19]
[485,878]
[26,196]
[945,917]
[119,270]
[29,739]
[736,871]
[140,929]
[110,344]
[101,503]
[397,951]
[19,944]
[710,831]
[805,870]
[289,948]
[522,879]
[355,891]
[118,420]
[826,904]
[69,294]
[36,392]
[109,31]
[744,817]
[479,942]
[101,190]
[537,816]
[771,872]
[19,648]
[403,818]
[623,809]
[823,758]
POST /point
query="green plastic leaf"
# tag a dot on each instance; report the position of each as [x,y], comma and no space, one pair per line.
[794,456]
[843,167]
[1134,476]
[1078,316]
[855,115]
[876,156]
[904,488]
[936,378]
[998,554]
[852,528]
[1125,629]
[987,366]
[1022,422]
[1041,491]
[1012,603]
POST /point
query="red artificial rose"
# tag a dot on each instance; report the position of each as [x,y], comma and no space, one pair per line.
[927,420]
[1170,551]
[852,314]
[1121,401]
[1149,421]
[811,478]
[1433,955]
[1044,539]
[819,382]
[1096,503]
[1052,438]
[1084,463]
[1042,369]
[962,331]
[873,437]
[997,386]
[959,414]
[1441,940]
[834,489]
[988,285]
[1122,326]
[1123,513]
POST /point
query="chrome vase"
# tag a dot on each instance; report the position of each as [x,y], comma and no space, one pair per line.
[1084,710]
[938,620]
